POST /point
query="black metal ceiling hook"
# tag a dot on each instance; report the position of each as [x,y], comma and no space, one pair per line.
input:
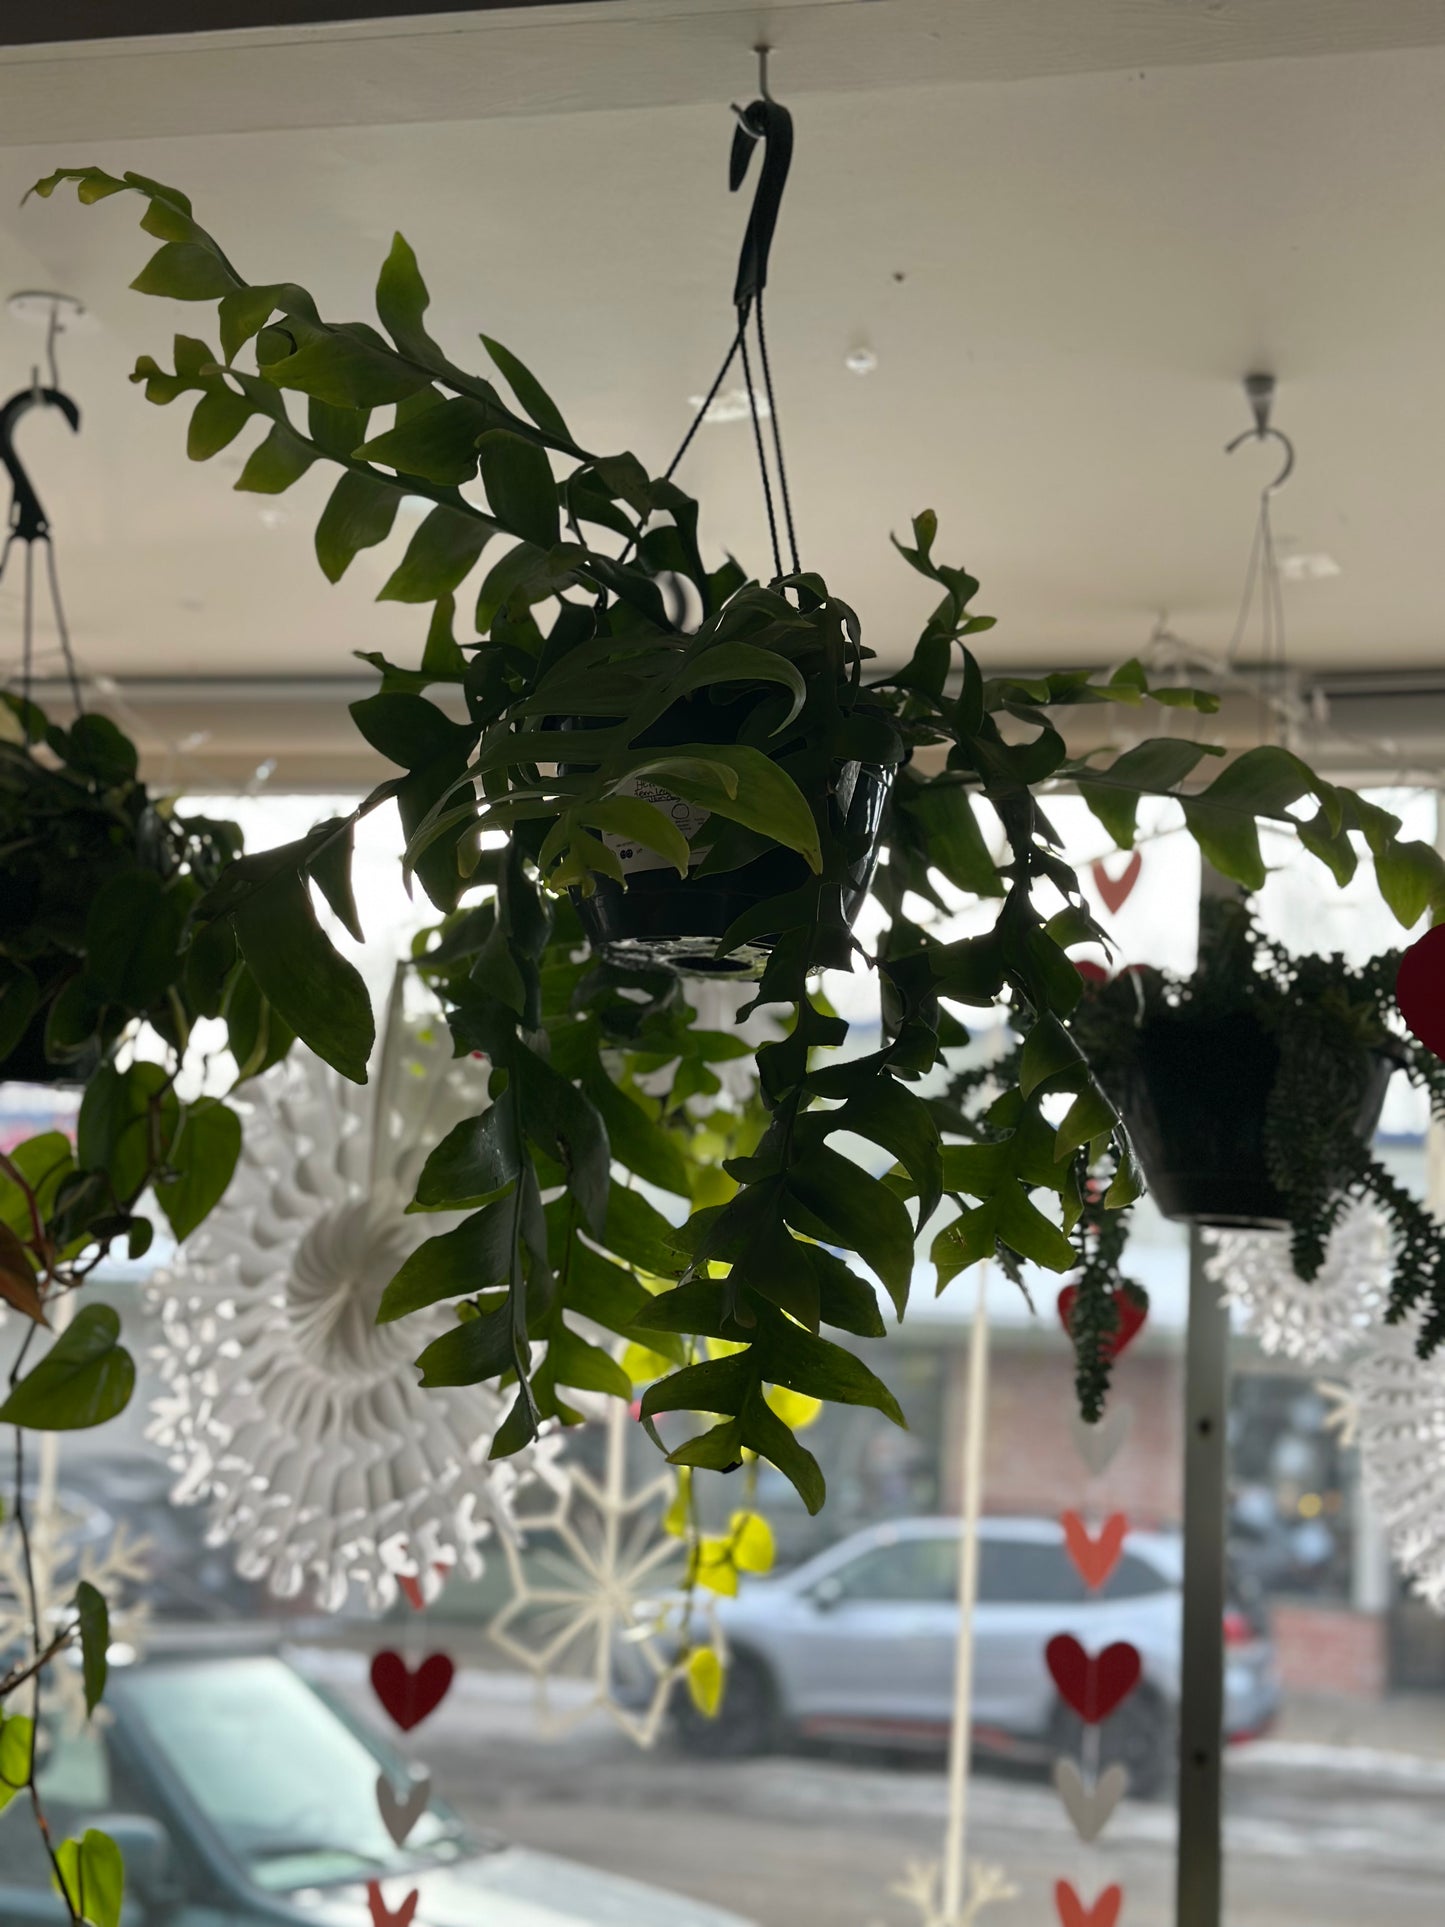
[1259,391]
[771,124]
[28,520]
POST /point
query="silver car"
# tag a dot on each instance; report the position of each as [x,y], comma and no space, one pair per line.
[858,1644]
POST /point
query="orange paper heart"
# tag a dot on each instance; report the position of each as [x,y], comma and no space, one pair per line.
[382,1915]
[1116,891]
[415,1591]
[1073,1912]
[1094,1557]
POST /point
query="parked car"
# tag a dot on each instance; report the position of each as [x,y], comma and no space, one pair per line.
[241,1797]
[858,1644]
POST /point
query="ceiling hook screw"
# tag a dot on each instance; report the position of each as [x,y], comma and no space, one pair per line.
[1259,392]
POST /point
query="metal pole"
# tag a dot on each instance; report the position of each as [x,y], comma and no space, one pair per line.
[955,1842]
[1201,1702]
[1199,1893]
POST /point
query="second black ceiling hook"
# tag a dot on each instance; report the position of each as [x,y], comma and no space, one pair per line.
[766,121]
[1259,391]
[28,521]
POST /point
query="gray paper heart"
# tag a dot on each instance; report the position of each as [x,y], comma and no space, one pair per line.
[1089,1806]
[399,1815]
[1098,1445]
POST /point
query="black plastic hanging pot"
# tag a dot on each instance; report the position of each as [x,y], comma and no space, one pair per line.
[26,1062]
[659,917]
[1195,1098]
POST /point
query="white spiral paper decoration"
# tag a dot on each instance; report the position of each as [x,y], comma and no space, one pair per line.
[287,1408]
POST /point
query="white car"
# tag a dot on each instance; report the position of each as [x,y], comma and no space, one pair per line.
[859,1642]
[240,1797]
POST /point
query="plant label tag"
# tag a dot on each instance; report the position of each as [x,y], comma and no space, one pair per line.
[688,817]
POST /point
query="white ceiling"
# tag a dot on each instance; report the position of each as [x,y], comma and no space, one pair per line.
[1065,232]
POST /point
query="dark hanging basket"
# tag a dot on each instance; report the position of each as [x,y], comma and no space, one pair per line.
[663,918]
[28,1064]
[1195,1098]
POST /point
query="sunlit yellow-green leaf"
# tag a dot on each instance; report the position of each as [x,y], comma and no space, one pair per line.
[713,1567]
[753,1545]
[705,1680]
[795,1409]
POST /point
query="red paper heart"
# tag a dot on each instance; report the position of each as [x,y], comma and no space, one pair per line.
[408,1697]
[381,1914]
[1094,1558]
[1420,989]
[1131,1313]
[1073,1912]
[1116,891]
[1093,1687]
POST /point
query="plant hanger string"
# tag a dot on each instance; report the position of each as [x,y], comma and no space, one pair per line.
[28,522]
[767,121]
[1263,569]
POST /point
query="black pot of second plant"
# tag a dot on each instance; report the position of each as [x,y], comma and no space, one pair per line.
[1195,1096]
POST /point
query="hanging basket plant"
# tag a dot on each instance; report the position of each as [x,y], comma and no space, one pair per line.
[107,966]
[1252,1091]
[645,747]
[1202,1092]
[98,882]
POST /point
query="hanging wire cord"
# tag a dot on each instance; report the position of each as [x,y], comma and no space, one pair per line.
[766,121]
[28,523]
[1262,572]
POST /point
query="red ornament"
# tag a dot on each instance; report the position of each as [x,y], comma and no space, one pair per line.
[1094,1557]
[1092,973]
[1116,891]
[408,1697]
[1093,1687]
[382,1915]
[1073,1912]
[1420,989]
[1130,1315]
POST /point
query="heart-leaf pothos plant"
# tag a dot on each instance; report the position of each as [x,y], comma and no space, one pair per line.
[589,599]
[108,967]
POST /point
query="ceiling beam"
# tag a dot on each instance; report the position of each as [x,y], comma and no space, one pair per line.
[202,733]
[62,20]
[542,57]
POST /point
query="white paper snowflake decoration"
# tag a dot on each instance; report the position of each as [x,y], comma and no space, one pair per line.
[1342,1411]
[287,1409]
[922,1886]
[118,1568]
[1318,1320]
[1400,1407]
[598,1603]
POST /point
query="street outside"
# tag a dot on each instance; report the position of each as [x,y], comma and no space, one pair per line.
[1320,1833]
